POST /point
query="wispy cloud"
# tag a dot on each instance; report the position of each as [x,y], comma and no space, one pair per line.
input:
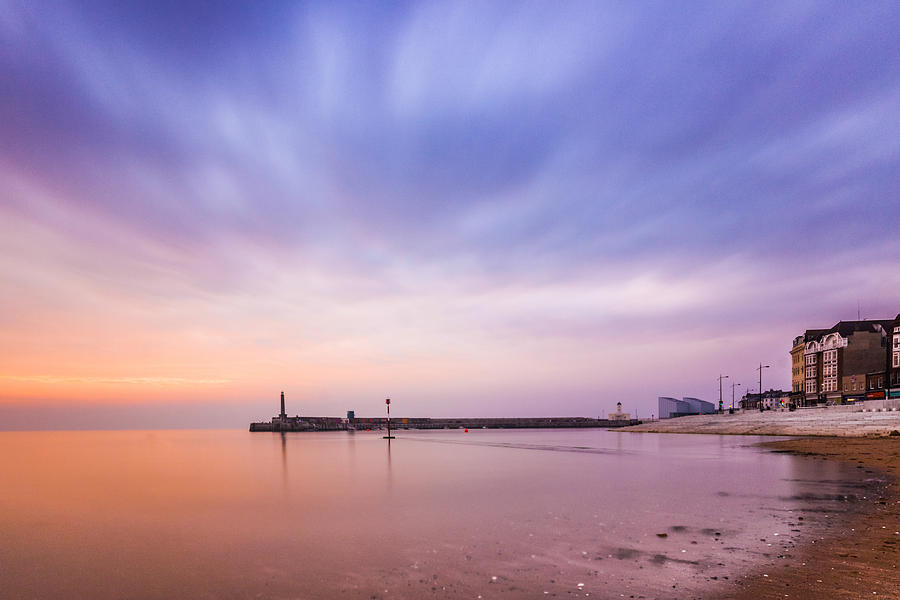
[439,193]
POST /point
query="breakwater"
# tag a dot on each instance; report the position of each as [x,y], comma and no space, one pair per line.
[871,418]
[363,423]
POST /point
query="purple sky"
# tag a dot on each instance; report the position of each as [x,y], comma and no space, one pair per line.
[473,208]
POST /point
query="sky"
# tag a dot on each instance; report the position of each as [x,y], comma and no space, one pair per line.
[473,208]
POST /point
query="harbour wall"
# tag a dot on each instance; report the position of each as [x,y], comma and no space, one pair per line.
[845,421]
[401,423]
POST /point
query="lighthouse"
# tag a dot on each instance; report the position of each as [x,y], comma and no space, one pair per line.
[283,415]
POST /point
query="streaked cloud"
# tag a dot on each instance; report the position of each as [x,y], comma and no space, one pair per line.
[468,204]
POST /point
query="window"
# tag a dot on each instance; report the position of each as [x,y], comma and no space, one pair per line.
[897,343]
[896,359]
[846,387]
[810,387]
[810,359]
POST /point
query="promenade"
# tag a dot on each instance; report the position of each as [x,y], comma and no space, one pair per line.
[843,421]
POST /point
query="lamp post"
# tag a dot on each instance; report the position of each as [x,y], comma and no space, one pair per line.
[761,367]
[733,385]
[721,377]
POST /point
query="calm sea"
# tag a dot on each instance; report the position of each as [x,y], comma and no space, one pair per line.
[485,514]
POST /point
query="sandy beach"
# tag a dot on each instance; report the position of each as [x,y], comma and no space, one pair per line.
[856,557]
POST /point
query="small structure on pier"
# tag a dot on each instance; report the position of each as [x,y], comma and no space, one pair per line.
[282,422]
[619,415]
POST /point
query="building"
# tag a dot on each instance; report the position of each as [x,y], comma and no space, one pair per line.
[797,366]
[281,422]
[771,400]
[619,415]
[841,363]
[700,407]
[672,407]
[893,368]
[798,396]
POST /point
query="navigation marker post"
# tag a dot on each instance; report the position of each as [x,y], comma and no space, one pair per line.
[389,437]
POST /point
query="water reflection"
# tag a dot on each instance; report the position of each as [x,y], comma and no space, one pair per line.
[125,514]
[390,473]
[284,470]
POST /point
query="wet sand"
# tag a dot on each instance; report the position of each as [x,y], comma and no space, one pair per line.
[858,555]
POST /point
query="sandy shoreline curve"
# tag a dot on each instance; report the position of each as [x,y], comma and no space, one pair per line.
[857,557]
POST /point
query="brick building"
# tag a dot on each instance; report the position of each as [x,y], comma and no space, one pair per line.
[893,367]
[845,363]
[798,395]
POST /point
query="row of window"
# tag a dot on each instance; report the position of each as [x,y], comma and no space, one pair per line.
[830,385]
[830,371]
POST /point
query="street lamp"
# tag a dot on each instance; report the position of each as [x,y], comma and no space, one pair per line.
[733,385]
[761,367]
[721,377]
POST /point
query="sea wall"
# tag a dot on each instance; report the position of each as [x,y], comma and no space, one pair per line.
[844,421]
[400,423]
